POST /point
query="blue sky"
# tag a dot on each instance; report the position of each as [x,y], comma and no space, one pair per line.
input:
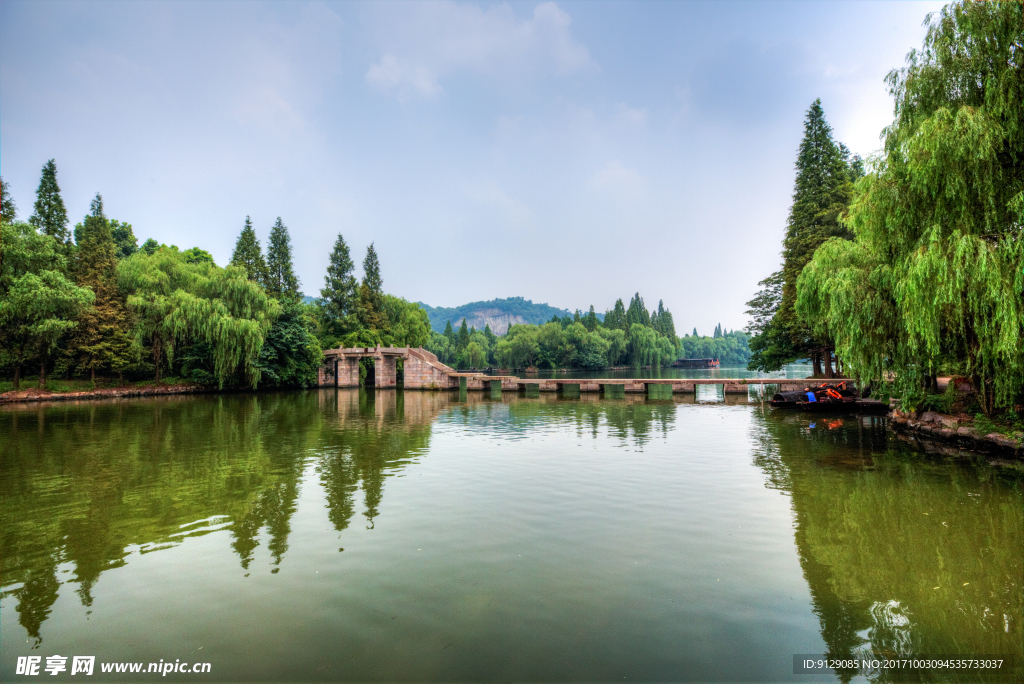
[570,153]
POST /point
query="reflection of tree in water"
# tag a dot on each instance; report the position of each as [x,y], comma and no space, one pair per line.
[879,527]
[84,484]
[632,420]
[376,437]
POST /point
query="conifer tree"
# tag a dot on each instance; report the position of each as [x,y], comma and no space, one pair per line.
[463,338]
[591,322]
[102,338]
[666,326]
[281,281]
[340,294]
[249,255]
[8,211]
[125,241]
[371,294]
[50,216]
[450,334]
[371,271]
[637,312]
[616,318]
[695,332]
[822,192]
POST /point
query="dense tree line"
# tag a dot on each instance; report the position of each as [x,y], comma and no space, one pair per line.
[92,302]
[924,275]
[629,335]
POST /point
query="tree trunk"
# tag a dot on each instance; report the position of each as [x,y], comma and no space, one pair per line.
[828,364]
[42,374]
[17,376]
[92,373]
[120,379]
[157,349]
[816,360]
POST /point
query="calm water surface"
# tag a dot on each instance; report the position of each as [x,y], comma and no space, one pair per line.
[389,536]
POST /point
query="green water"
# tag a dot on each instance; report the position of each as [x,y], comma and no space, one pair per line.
[389,536]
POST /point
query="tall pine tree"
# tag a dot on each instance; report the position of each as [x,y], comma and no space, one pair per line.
[249,255]
[102,339]
[340,294]
[8,212]
[50,216]
[371,294]
[281,281]
[823,190]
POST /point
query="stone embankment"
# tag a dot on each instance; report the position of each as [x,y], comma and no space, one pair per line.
[35,394]
[955,431]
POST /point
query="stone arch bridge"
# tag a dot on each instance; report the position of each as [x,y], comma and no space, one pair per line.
[422,370]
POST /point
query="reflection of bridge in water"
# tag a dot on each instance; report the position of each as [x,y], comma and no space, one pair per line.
[422,370]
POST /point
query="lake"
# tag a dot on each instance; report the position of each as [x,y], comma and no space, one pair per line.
[353,535]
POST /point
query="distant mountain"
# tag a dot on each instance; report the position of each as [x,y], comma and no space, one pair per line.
[497,313]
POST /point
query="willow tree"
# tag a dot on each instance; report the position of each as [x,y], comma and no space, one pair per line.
[934,281]
[176,302]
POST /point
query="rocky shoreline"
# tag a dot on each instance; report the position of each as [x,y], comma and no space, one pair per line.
[956,432]
[35,394]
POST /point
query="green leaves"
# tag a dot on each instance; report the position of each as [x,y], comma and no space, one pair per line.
[178,302]
[933,282]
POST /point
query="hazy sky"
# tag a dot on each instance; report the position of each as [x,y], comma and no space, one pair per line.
[570,153]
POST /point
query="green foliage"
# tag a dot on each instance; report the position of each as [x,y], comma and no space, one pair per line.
[8,210]
[823,188]
[50,217]
[935,277]
[590,320]
[291,353]
[195,255]
[281,283]
[339,298]
[371,271]
[616,318]
[150,246]
[102,338]
[408,324]
[249,255]
[125,241]
[661,321]
[38,304]
[176,302]
[637,313]
[731,349]
[514,307]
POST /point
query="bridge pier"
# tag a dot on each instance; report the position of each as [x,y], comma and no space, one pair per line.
[613,391]
[385,371]
[570,390]
[659,390]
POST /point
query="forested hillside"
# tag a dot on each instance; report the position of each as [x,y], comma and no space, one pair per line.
[499,314]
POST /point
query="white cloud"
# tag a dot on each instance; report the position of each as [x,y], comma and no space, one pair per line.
[390,74]
[635,117]
[429,41]
[620,182]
